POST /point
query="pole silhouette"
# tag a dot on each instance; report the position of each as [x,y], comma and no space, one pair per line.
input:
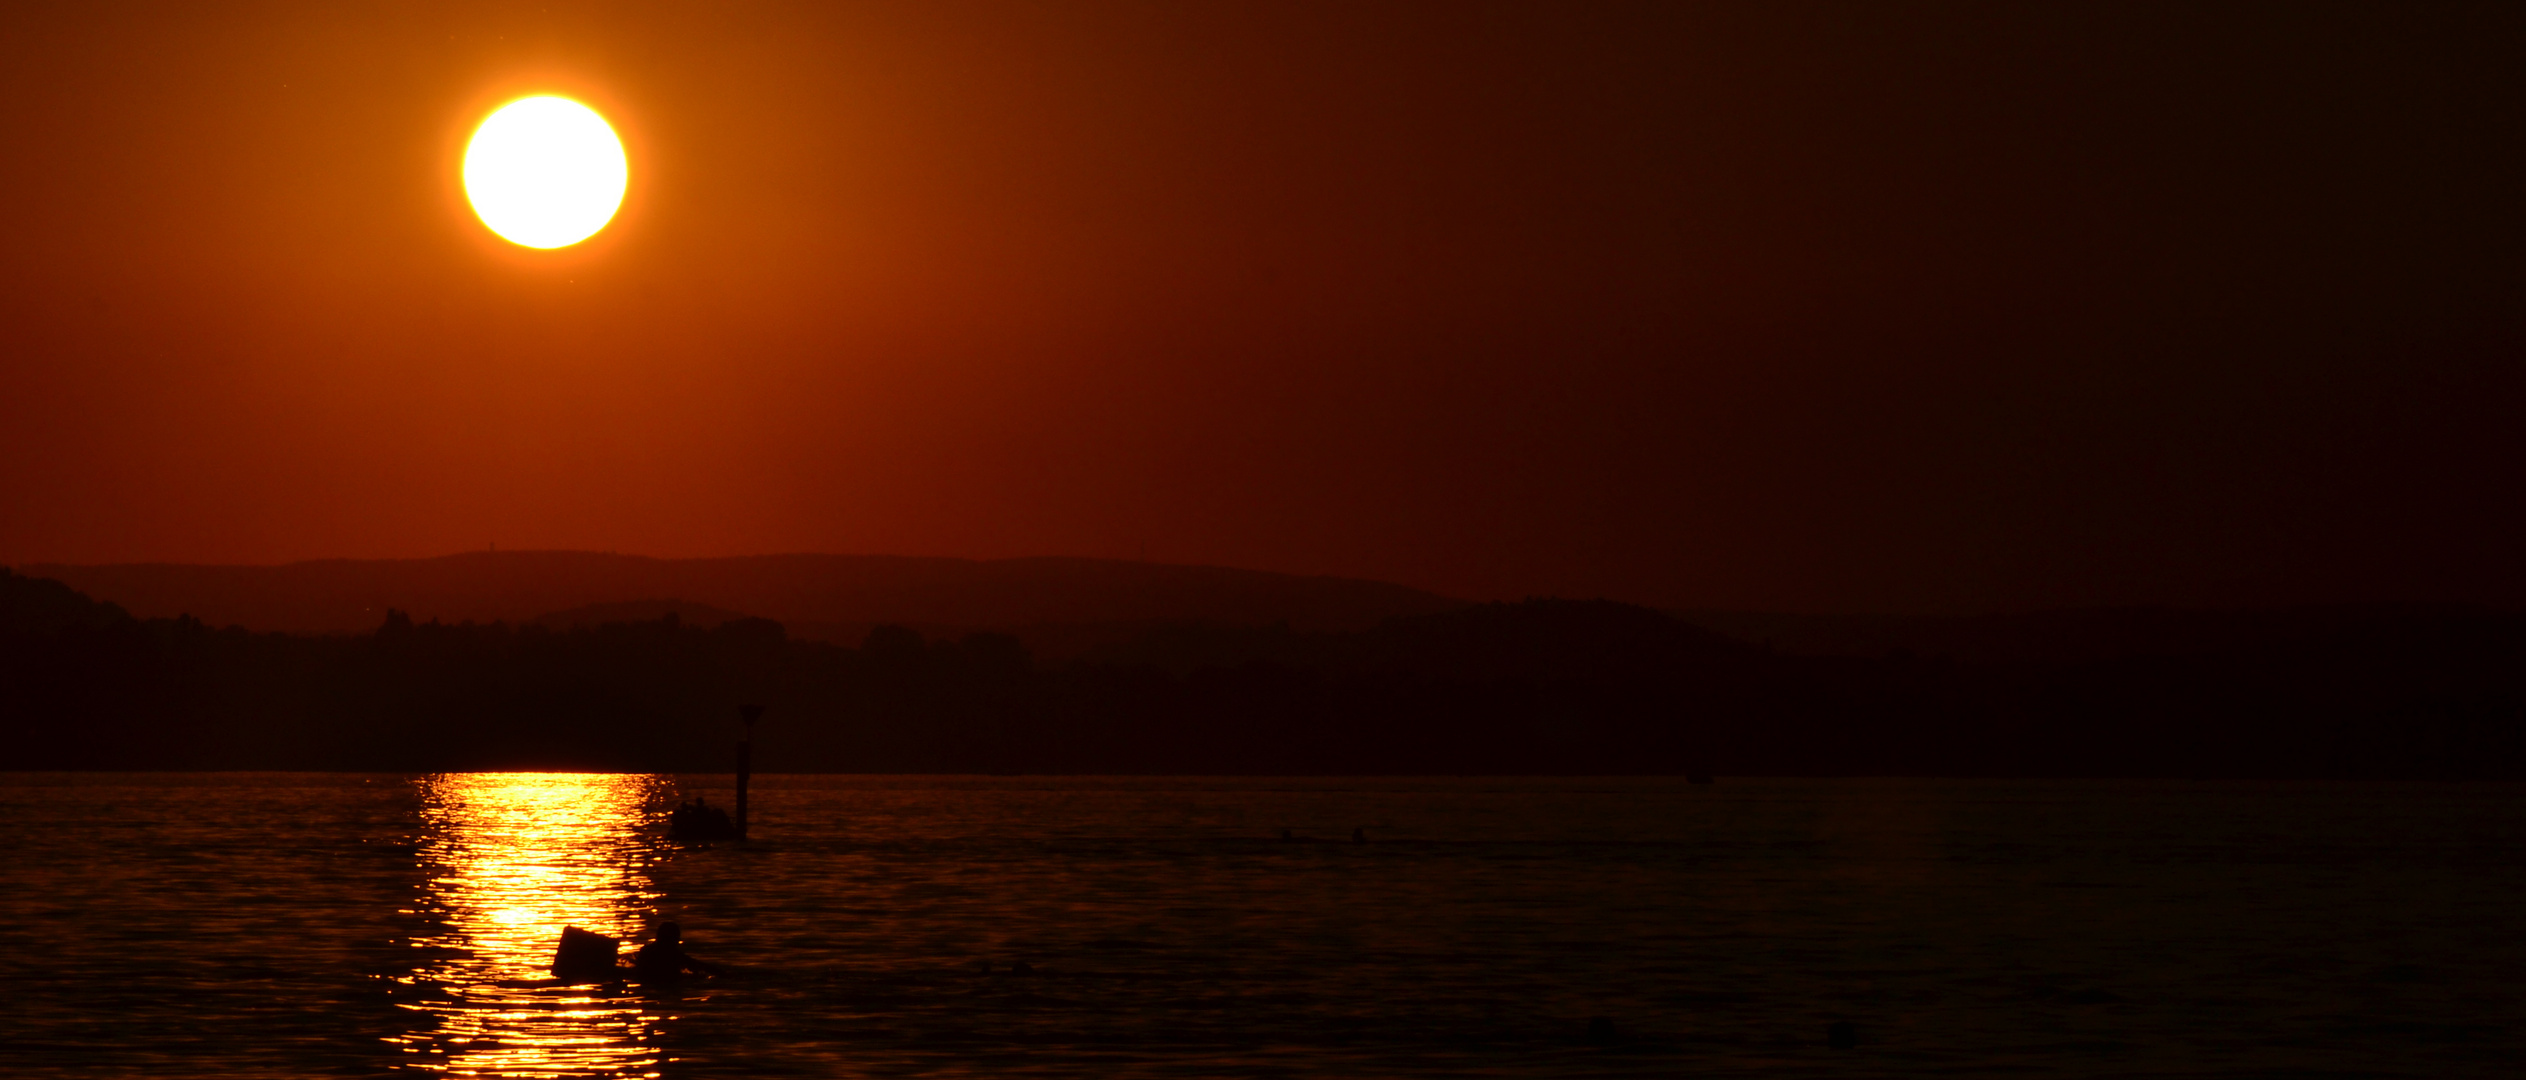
[745,762]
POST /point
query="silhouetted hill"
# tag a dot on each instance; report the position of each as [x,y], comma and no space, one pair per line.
[637,611]
[2076,635]
[839,596]
[1543,639]
[41,606]
[1543,686]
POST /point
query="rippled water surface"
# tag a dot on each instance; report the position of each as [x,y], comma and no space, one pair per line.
[306,925]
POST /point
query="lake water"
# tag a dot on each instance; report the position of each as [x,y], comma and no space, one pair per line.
[287,925]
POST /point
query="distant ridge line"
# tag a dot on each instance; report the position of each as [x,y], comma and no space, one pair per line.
[352,595]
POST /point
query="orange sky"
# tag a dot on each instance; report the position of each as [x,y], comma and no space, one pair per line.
[1846,307]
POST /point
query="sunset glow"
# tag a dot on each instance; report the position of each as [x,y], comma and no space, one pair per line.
[512,858]
[545,172]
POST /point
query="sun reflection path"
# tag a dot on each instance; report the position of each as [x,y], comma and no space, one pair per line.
[512,858]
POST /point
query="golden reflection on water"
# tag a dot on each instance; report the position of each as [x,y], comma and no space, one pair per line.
[512,858]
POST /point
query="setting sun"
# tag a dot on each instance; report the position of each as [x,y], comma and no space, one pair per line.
[545,172]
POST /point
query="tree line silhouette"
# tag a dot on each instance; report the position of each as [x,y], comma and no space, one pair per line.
[1539,687]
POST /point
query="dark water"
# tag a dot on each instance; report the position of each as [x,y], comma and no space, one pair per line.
[308,925]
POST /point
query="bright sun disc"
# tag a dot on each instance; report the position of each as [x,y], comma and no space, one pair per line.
[545,172]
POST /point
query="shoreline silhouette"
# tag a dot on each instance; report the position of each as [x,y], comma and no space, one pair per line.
[1538,687]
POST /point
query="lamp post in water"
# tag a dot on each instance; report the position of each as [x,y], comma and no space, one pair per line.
[745,762]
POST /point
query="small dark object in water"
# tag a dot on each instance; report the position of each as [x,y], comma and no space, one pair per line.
[1843,1035]
[1021,969]
[1359,836]
[699,822]
[2093,996]
[585,956]
[1699,778]
[1287,836]
[1601,1030]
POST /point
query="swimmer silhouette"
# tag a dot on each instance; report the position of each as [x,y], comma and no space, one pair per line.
[663,959]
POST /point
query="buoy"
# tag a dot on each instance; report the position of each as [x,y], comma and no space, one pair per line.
[584,956]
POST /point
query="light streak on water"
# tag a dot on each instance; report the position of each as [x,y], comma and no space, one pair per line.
[512,858]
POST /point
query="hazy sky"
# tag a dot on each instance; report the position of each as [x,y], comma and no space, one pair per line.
[1826,307]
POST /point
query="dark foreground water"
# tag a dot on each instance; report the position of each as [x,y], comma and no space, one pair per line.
[291,925]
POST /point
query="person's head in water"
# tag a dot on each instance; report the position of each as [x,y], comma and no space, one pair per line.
[670,933]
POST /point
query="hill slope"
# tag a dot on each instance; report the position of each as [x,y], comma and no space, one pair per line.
[841,591]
